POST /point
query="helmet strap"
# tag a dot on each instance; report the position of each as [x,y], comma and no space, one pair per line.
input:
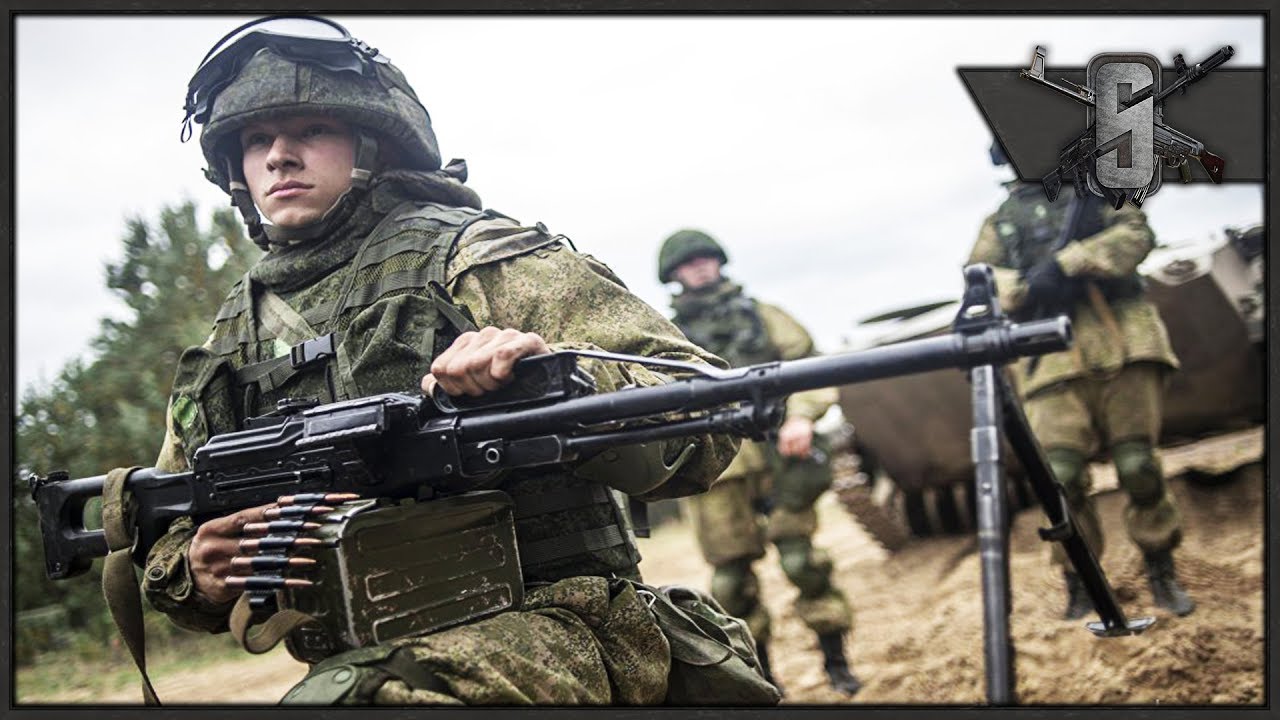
[366,159]
[243,201]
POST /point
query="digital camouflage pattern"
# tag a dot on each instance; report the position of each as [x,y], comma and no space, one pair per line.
[270,86]
[592,642]
[1104,394]
[729,520]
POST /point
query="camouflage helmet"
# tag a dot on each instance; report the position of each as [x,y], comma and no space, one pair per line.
[684,246]
[268,75]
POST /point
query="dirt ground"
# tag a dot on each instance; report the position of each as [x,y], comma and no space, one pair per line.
[918,634]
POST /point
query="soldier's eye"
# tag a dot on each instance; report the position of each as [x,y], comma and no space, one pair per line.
[254,139]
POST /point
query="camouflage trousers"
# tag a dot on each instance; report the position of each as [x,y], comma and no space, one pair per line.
[580,641]
[732,531]
[1119,414]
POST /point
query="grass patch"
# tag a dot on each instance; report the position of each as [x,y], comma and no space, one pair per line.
[69,676]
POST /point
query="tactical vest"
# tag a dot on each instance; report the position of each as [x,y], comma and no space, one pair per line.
[375,324]
[729,325]
[1028,225]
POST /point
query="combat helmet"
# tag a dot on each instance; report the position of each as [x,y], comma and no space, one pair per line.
[285,65]
[686,245]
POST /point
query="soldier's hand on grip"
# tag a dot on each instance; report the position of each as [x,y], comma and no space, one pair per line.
[795,437]
[481,361]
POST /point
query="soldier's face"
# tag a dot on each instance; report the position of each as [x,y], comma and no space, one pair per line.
[297,166]
[697,273]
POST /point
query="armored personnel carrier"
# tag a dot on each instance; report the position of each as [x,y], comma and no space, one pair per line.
[1210,295]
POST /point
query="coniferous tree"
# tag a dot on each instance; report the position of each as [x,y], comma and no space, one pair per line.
[109,412]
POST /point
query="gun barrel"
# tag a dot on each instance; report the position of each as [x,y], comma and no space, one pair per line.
[995,345]
[1222,55]
[1197,71]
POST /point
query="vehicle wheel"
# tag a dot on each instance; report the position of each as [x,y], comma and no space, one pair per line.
[949,519]
[913,505]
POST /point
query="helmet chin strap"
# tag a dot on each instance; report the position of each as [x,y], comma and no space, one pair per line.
[268,236]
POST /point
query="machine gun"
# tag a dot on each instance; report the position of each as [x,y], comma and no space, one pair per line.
[403,446]
[1175,148]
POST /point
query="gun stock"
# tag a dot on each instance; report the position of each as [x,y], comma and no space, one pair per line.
[1213,165]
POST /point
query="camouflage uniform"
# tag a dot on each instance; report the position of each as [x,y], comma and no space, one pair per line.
[730,526]
[411,263]
[764,495]
[1105,393]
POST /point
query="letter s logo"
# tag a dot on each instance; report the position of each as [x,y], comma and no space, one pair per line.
[1124,136]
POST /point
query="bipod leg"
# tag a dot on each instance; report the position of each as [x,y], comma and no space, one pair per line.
[1111,619]
[993,534]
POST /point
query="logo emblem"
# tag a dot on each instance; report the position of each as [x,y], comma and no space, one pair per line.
[1120,154]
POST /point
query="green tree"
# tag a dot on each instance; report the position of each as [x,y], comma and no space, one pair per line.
[109,412]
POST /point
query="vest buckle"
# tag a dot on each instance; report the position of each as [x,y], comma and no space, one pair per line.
[309,351]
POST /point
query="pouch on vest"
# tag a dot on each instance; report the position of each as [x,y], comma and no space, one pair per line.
[203,402]
[396,571]
[393,342]
[713,656]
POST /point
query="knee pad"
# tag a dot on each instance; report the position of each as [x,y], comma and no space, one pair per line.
[808,570]
[734,586]
[1138,472]
[1068,467]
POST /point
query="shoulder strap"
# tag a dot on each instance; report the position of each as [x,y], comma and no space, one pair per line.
[273,629]
[119,585]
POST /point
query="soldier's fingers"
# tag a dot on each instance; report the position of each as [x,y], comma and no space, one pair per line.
[212,551]
[232,525]
[472,368]
[459,345]
[505,355]
[429,384]
[490,367]
[468,372]
[450,368]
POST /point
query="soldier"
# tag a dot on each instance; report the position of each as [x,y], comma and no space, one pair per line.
[384,257]
[1104,393]
[767,492]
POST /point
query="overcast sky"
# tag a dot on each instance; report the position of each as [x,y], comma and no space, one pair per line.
[838,158]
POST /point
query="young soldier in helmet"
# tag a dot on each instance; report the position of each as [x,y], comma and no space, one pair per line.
[774,484]
[1104,393]
[386,260]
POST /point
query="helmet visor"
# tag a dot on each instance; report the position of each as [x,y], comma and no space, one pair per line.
[303,39]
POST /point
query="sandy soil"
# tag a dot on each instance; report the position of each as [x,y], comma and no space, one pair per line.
[918,617]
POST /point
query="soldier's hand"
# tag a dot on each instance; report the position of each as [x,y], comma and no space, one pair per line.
[795,437]
[480,361]
[216,542]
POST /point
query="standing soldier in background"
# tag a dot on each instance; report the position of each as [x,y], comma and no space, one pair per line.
[767,492]
[1104,393]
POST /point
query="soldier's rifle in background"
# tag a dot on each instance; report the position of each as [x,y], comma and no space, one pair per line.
[405,446]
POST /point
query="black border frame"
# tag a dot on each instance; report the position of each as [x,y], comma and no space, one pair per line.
[8,397]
